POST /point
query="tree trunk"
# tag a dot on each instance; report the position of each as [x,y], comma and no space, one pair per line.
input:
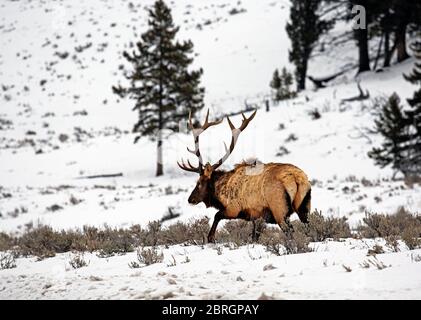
[400,38]
[387,52]
[379,50]
[160,158]
[302,73]
[364,59]
[159,161]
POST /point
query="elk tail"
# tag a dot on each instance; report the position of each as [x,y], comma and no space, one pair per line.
[302,200]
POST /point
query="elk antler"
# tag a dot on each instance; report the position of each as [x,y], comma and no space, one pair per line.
[235,132]
[196,151]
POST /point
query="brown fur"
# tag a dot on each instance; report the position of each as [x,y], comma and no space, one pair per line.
[251,191]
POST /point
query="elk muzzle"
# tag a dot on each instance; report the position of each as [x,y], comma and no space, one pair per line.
[194,197]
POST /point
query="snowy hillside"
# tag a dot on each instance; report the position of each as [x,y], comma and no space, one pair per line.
[60,121]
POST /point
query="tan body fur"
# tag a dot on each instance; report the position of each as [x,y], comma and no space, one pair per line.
[251,190]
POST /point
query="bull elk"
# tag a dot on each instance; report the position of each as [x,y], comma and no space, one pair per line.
[272,191]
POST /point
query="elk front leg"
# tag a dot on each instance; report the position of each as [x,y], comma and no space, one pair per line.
[218,217]
[257,230]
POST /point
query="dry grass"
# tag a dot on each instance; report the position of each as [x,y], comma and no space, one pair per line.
[44,242]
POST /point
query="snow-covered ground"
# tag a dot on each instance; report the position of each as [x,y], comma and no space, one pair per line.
[244,273]
[59,121]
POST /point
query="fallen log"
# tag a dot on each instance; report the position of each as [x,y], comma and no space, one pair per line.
[362,95]
[112,175]
[322,82]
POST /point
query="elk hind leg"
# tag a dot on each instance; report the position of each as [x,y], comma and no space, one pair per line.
[302,204]
[281,208]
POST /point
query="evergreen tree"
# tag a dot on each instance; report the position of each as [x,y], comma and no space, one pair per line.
[163,87]
[304,30]
[281,85]
[414,114]
[287,83]
[393,125]
[276,83]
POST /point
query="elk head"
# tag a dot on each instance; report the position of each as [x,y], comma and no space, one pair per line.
[202,191]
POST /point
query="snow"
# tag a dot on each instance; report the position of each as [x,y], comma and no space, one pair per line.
[315,275]
[238,54]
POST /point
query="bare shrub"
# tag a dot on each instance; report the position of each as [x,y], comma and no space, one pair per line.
[347,269]
[74,201]
[219,250]
[146,257]
[416,258]
[402,224]
[237,232]
[291,137]
[273,243]
[6,242]
[172,263]
[269,267]
[110,241]
[186,259]
[411,237]
[78,261]
[234,11]
[44,242]
[194,232]
[376,263]
[295,242]
[7,261]
[377,249]
[282,151]
[285,242]
[314,114]
[392,243]
[321,228]
[54,208]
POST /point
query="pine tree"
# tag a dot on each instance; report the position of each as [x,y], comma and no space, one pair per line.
[276,84]
[393,125]
[304,29]
[414,114]
[287,82]
[281,85]
[165,90]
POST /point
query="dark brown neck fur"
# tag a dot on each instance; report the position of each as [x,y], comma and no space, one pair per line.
[213,201]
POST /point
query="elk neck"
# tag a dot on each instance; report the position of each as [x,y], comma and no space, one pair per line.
[213,200]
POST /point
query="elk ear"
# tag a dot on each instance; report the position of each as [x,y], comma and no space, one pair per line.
[207,170]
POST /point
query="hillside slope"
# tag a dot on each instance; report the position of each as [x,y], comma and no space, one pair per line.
[60,122]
